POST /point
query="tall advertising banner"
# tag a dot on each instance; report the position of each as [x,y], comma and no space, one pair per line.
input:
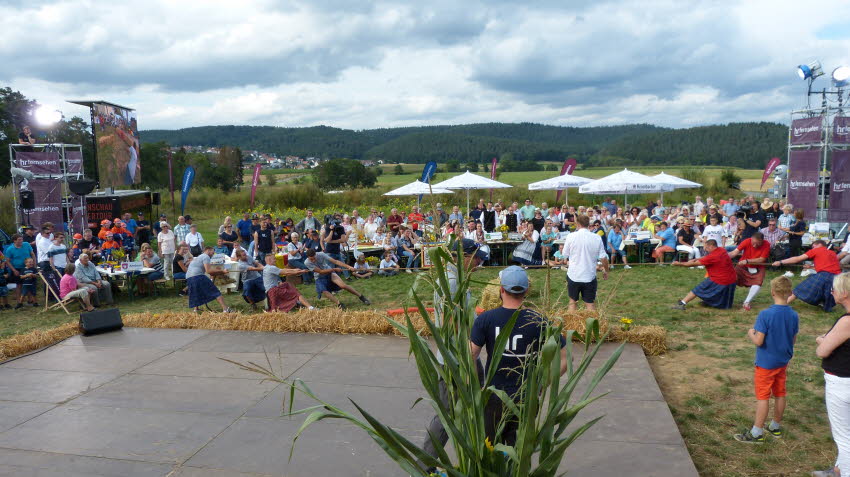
[427,173]
[768,170]
[188,179]
[567,169]
[171,180]
[839,188]
[806,130]
[841,130]
[254,182]
[117,136]
[48,201]
[803,180]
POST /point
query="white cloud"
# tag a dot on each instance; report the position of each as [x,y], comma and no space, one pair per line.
[393,63]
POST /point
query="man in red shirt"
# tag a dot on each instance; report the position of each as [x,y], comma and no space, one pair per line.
[394,220]
[816,289]
[414,218]
[718,290]
[753,251]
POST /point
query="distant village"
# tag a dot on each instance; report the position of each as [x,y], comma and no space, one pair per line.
[271,161]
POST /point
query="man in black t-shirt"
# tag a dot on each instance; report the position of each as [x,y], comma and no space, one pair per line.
[143,229]
[755,219]
[523,344]
[26,139]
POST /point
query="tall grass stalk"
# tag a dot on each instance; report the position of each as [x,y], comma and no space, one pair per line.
[549,403]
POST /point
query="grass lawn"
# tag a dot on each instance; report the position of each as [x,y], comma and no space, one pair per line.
[706,377]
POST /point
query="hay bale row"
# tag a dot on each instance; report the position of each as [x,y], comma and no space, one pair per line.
[36,339]
[653,339]
[324,320]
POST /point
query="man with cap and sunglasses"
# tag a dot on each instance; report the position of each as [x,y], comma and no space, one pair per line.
[523,343]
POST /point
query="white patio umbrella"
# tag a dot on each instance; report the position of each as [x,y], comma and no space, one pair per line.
[418,188]
[676,182]
[469,181]
[563,183]
[625,182]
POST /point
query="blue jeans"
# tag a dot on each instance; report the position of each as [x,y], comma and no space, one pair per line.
[411,262]
[341,258]
[308,277]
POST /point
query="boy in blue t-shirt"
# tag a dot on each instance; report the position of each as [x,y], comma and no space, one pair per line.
[774,335]
[28,284]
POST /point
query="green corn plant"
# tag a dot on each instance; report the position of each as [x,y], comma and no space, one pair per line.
[547,406]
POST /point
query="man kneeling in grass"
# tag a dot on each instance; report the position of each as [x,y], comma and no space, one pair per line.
[327,280]
[774,335]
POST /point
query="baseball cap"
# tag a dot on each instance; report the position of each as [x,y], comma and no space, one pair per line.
[78,236]
[514,279]
[140,213]
[187,217]
[162,216]
[105,221]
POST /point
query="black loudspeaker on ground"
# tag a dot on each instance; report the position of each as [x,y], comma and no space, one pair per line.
[155,199]
[100,321]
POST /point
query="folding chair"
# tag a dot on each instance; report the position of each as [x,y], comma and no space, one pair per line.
[59,302]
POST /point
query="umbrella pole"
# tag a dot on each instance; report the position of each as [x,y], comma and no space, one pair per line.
[467,202]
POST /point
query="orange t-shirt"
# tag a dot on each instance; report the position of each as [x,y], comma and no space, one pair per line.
[825,260]
[109,244]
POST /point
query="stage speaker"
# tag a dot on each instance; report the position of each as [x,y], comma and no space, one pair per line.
[27,199]
[155,198]
[82,186]
[100,321]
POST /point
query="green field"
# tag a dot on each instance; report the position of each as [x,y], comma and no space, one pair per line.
[706,376]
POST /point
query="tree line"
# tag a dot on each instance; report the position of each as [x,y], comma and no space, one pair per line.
[734,144]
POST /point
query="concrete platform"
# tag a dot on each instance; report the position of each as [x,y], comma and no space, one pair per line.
[151,402]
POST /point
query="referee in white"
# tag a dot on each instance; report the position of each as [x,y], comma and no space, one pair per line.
[584,249]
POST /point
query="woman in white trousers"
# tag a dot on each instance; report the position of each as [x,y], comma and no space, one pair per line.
[834,349]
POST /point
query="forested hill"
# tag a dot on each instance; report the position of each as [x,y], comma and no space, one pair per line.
[734,144]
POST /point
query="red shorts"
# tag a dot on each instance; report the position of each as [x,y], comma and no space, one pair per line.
[769,381]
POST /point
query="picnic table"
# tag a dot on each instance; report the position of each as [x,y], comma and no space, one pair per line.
[112,275]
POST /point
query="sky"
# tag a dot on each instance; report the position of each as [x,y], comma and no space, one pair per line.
[363,65]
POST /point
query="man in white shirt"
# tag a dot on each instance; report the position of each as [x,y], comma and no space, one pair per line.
[844,255]
[698,206]
[583,249]
[43,241]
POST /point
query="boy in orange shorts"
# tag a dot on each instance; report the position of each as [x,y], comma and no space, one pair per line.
[774,335]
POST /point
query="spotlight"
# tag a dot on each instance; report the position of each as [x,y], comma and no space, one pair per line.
[47,116]
[841,76]
[810,71]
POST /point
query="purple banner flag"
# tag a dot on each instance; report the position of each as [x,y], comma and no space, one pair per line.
[841,130]
[73,162]
[839,188]
[803,180]
[806,130]
[48,201]
[38,162]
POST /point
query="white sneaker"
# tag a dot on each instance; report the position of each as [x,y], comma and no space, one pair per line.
[626,267]
[701,267]
[807,272]
[788,274]
[408,271]
[611,267]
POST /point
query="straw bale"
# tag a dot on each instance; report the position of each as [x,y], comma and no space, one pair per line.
[652,338]
[577,320]
[490,298]
[36,339]
[324,320]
